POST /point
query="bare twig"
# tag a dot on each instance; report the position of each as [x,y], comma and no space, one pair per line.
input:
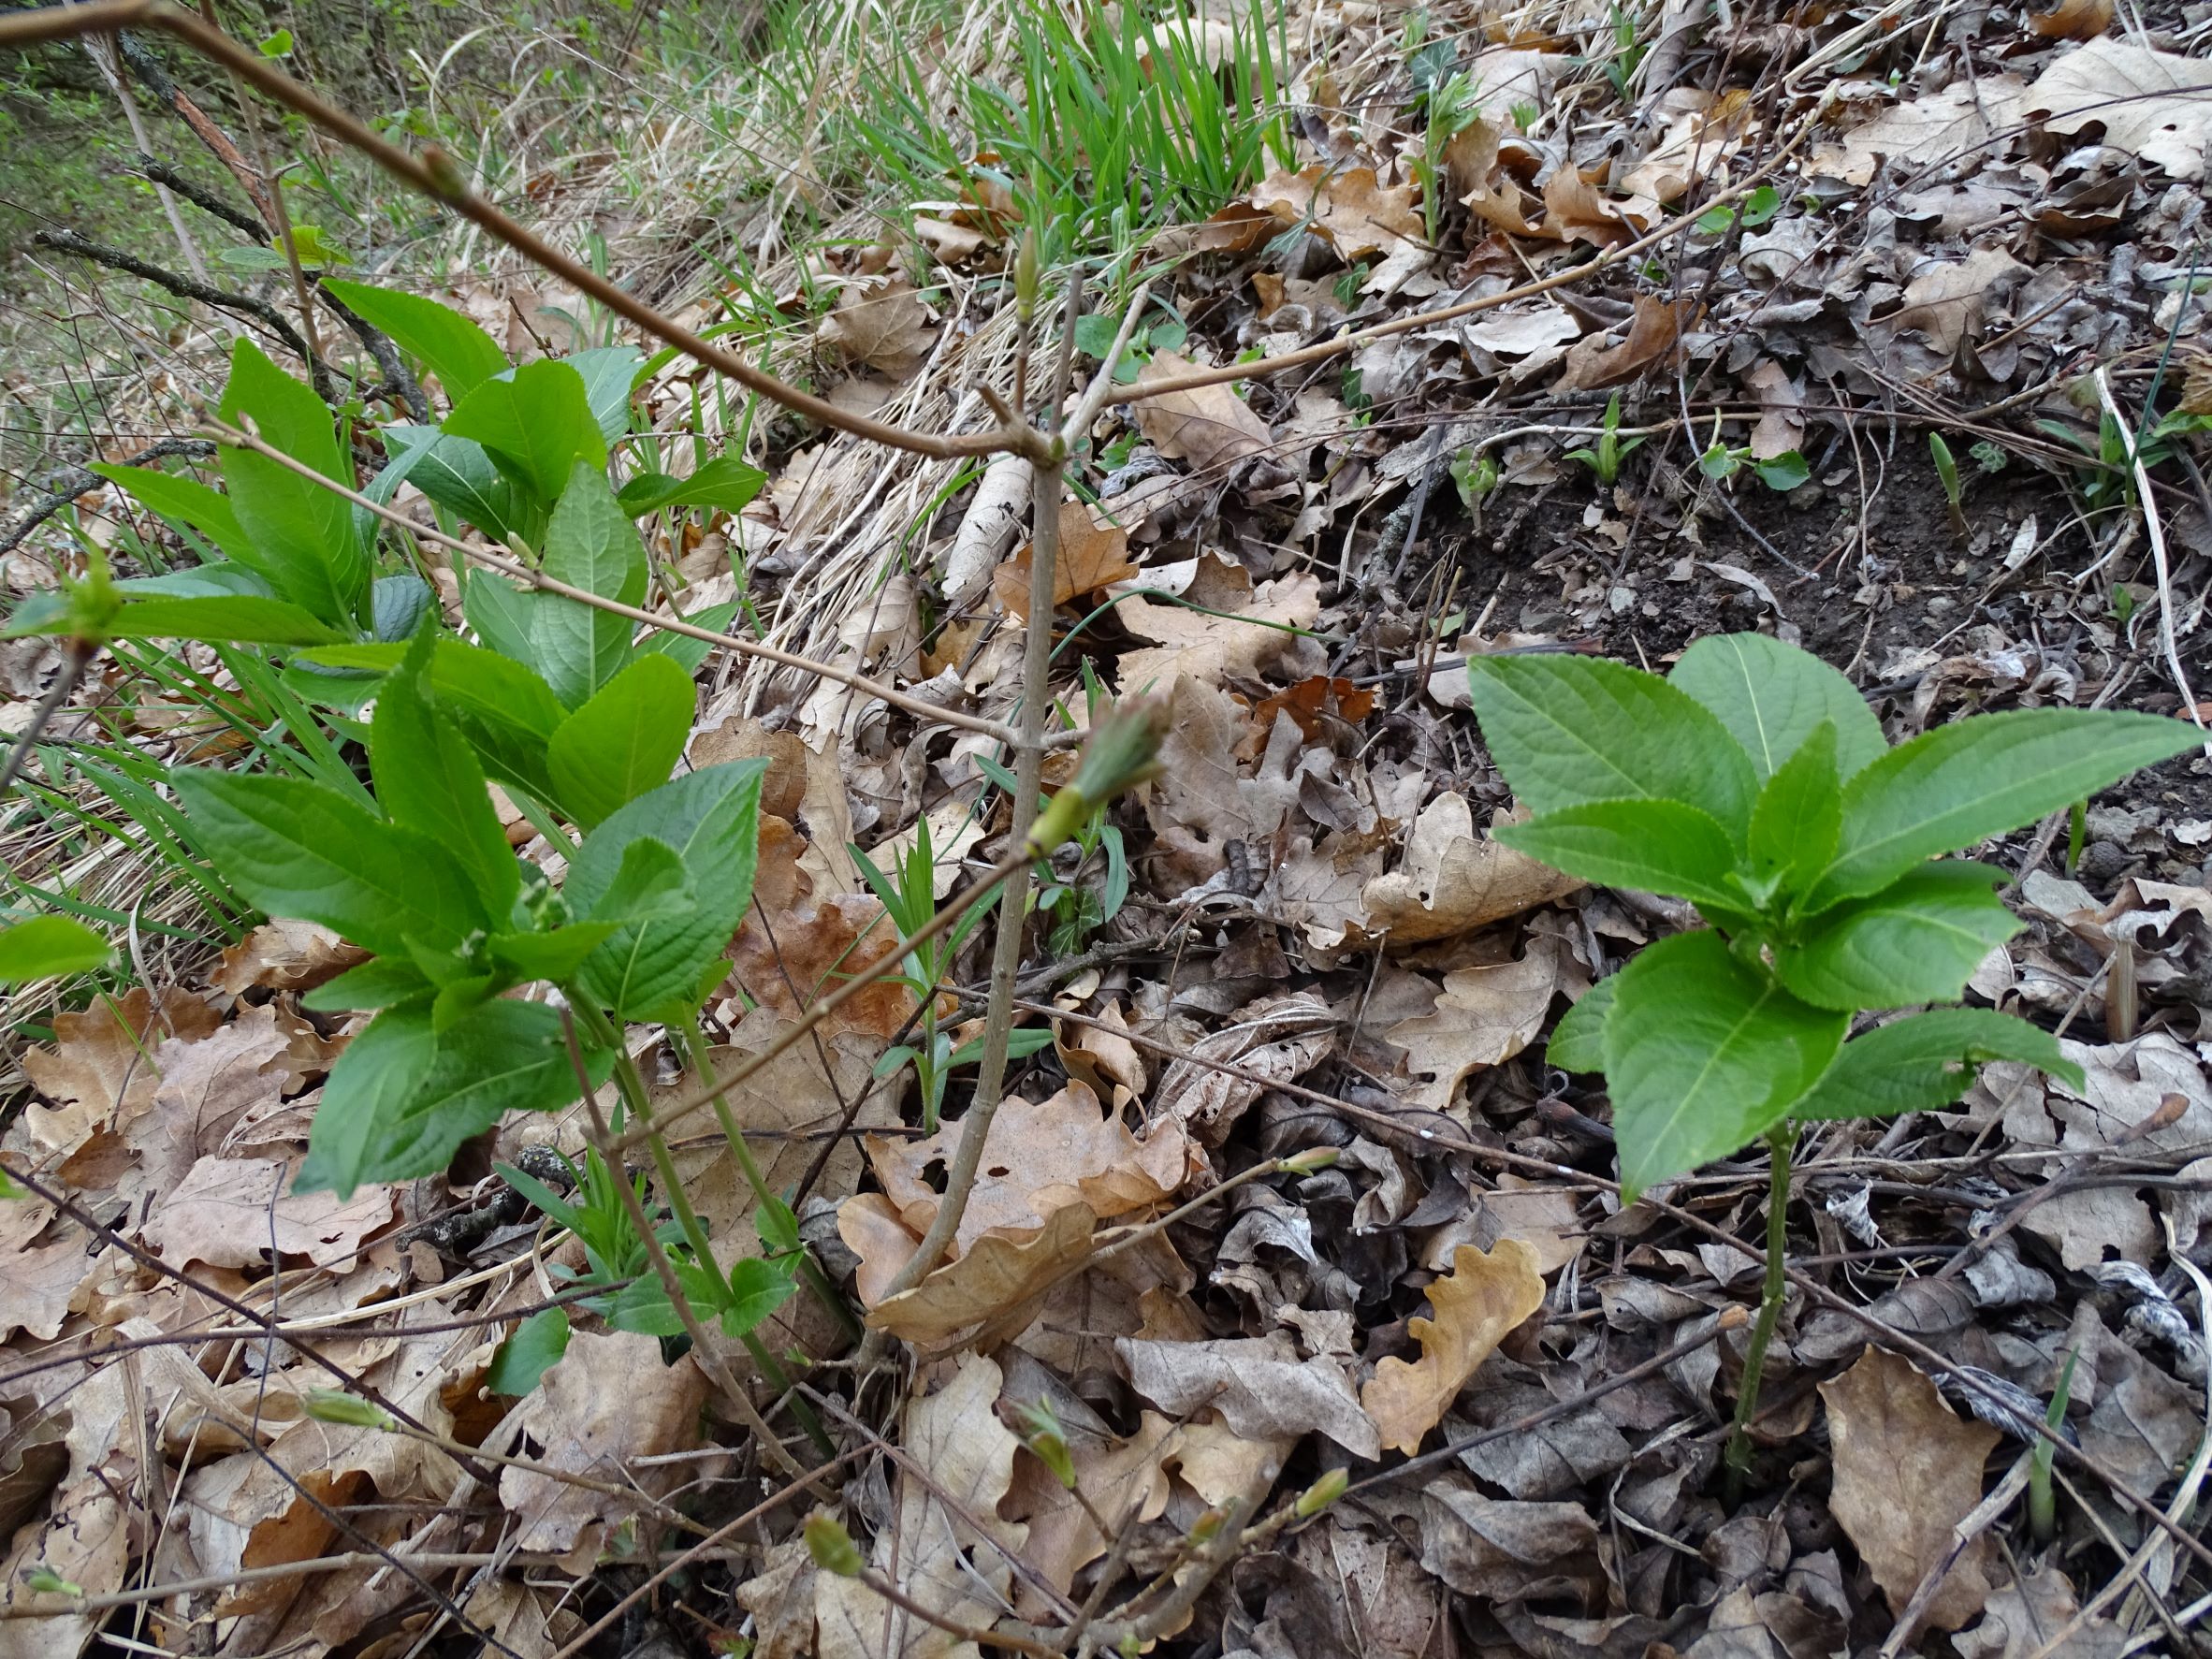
[238,439]
[59,488]
[184,287]
[2146,503]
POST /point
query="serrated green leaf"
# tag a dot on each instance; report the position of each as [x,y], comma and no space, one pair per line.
[223,579]
[382,981]
[1575,731]
[228,618]
[506,712]
[1658,846]
[554,955]
[1771,695]
[721,481]
[1703,1056]
[590,543]
[1926,1061]
[624,740]
[757,1288]
[461,355]
[400,1106]
[609,372]
[1917,941]
[1799,814]
[523,1359]
[652,885]
[298,534]
[711,817]
[300,849]
[1579,1040]
[537,423]
[429,781]
[457,473]
[1962,783]
[685,651]
[46,947]
[397,605]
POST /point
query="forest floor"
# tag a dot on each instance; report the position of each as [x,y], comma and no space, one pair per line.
[1885,405]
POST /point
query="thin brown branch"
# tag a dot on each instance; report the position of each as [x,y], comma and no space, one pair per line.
[434,174]
[238,439]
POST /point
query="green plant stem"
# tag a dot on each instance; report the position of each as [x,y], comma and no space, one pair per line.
[633,1089]
[1779,1142]
[818,1283]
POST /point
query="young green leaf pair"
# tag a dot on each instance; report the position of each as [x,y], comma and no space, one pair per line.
[1754,782]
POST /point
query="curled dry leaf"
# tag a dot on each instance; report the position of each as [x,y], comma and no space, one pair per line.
[98,1071]
[1655,338]
[1261,632]
[1260,1387]
[1451,884]
[608,1402]
[1210,427]
[1485,1016]
[1091,559]
[1358,214]
[1037,1156]
[930,1550]
[1907,1471]
[2152,104]
[235,1212]
[1482,1299]
[985,1297]
[992,519]
[2074,20]
[284,955]
[881,324]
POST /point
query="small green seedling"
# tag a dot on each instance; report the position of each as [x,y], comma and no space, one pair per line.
[1758,207]
[1780,472]
[1754,782]
[1947,474]
[1474,476]
[1095,332]
[2042,1513]
[1611,449]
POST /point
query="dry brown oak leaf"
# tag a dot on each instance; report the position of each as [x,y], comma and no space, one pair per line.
[1482,1299]
[1090,559]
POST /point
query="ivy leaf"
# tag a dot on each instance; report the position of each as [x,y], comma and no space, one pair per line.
[1771,695]
[1659,845]
[1928,1060]
[1704,1055]
[1962,783]
[1576,733]
[1917,941]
